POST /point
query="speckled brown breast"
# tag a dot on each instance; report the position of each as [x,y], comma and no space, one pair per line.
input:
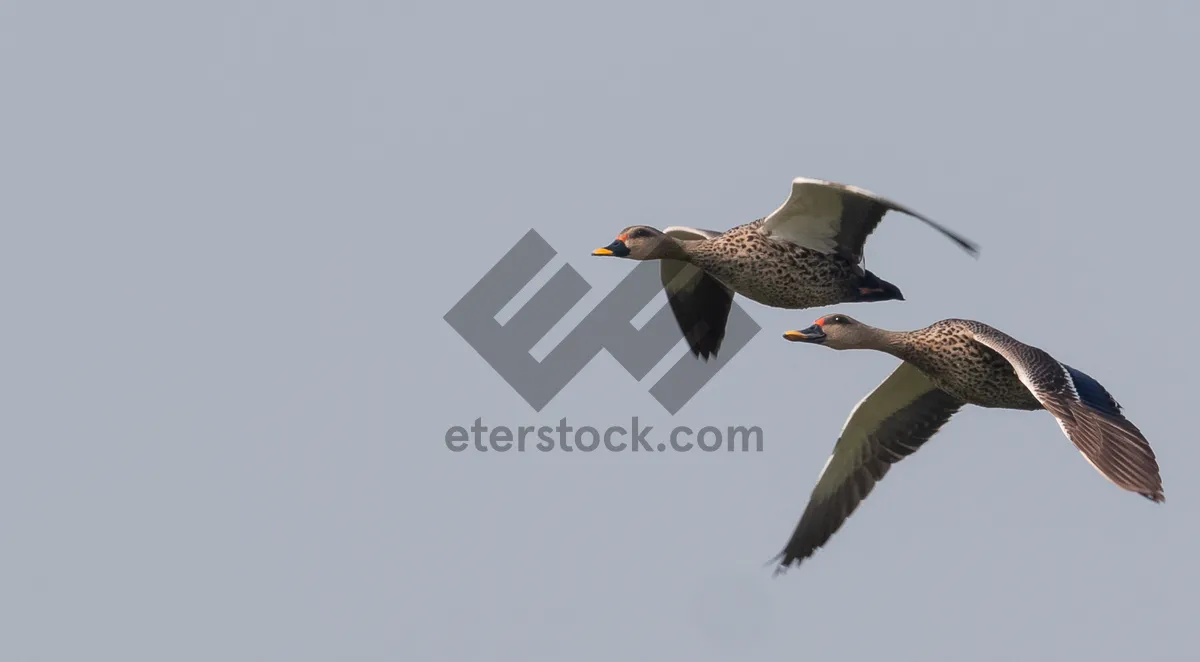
[776,273]
[967,369]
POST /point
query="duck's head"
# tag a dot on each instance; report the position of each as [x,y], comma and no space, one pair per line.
[836,331]
[637,242]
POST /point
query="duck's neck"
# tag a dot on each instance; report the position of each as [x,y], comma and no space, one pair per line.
[897,343]
[676,249]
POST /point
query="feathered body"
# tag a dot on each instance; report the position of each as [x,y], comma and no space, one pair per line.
[777,273]
[959,365]
[807,253]
[945,366]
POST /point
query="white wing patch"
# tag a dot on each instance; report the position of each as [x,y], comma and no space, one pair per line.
[899,390]
[811,217]
[1070,381]
[681,232]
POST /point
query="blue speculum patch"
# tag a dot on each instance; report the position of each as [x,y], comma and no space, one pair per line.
[1093,394]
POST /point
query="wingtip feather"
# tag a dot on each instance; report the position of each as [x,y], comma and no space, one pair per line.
[781,563]
[964,243]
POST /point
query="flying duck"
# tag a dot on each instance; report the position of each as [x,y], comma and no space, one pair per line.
[945,366]
[807,253]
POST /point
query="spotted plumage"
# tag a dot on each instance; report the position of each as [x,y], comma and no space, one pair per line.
[970,371]
[807,253]
[779,273]
[945,366]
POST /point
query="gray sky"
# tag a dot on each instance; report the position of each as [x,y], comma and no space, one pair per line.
[232,230]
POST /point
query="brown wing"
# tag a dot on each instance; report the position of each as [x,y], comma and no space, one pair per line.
[700,302]
[888,425]
[1086,412]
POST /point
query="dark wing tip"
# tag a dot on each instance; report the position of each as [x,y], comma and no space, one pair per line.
[782,561]
[964,243]
[701,310]
[967,245]
[794,554]
[705,346]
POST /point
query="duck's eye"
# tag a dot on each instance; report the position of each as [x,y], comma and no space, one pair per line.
[639,234]
[839,320]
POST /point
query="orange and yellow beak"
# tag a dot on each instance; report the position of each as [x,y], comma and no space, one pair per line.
[615,249]
[813,334]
